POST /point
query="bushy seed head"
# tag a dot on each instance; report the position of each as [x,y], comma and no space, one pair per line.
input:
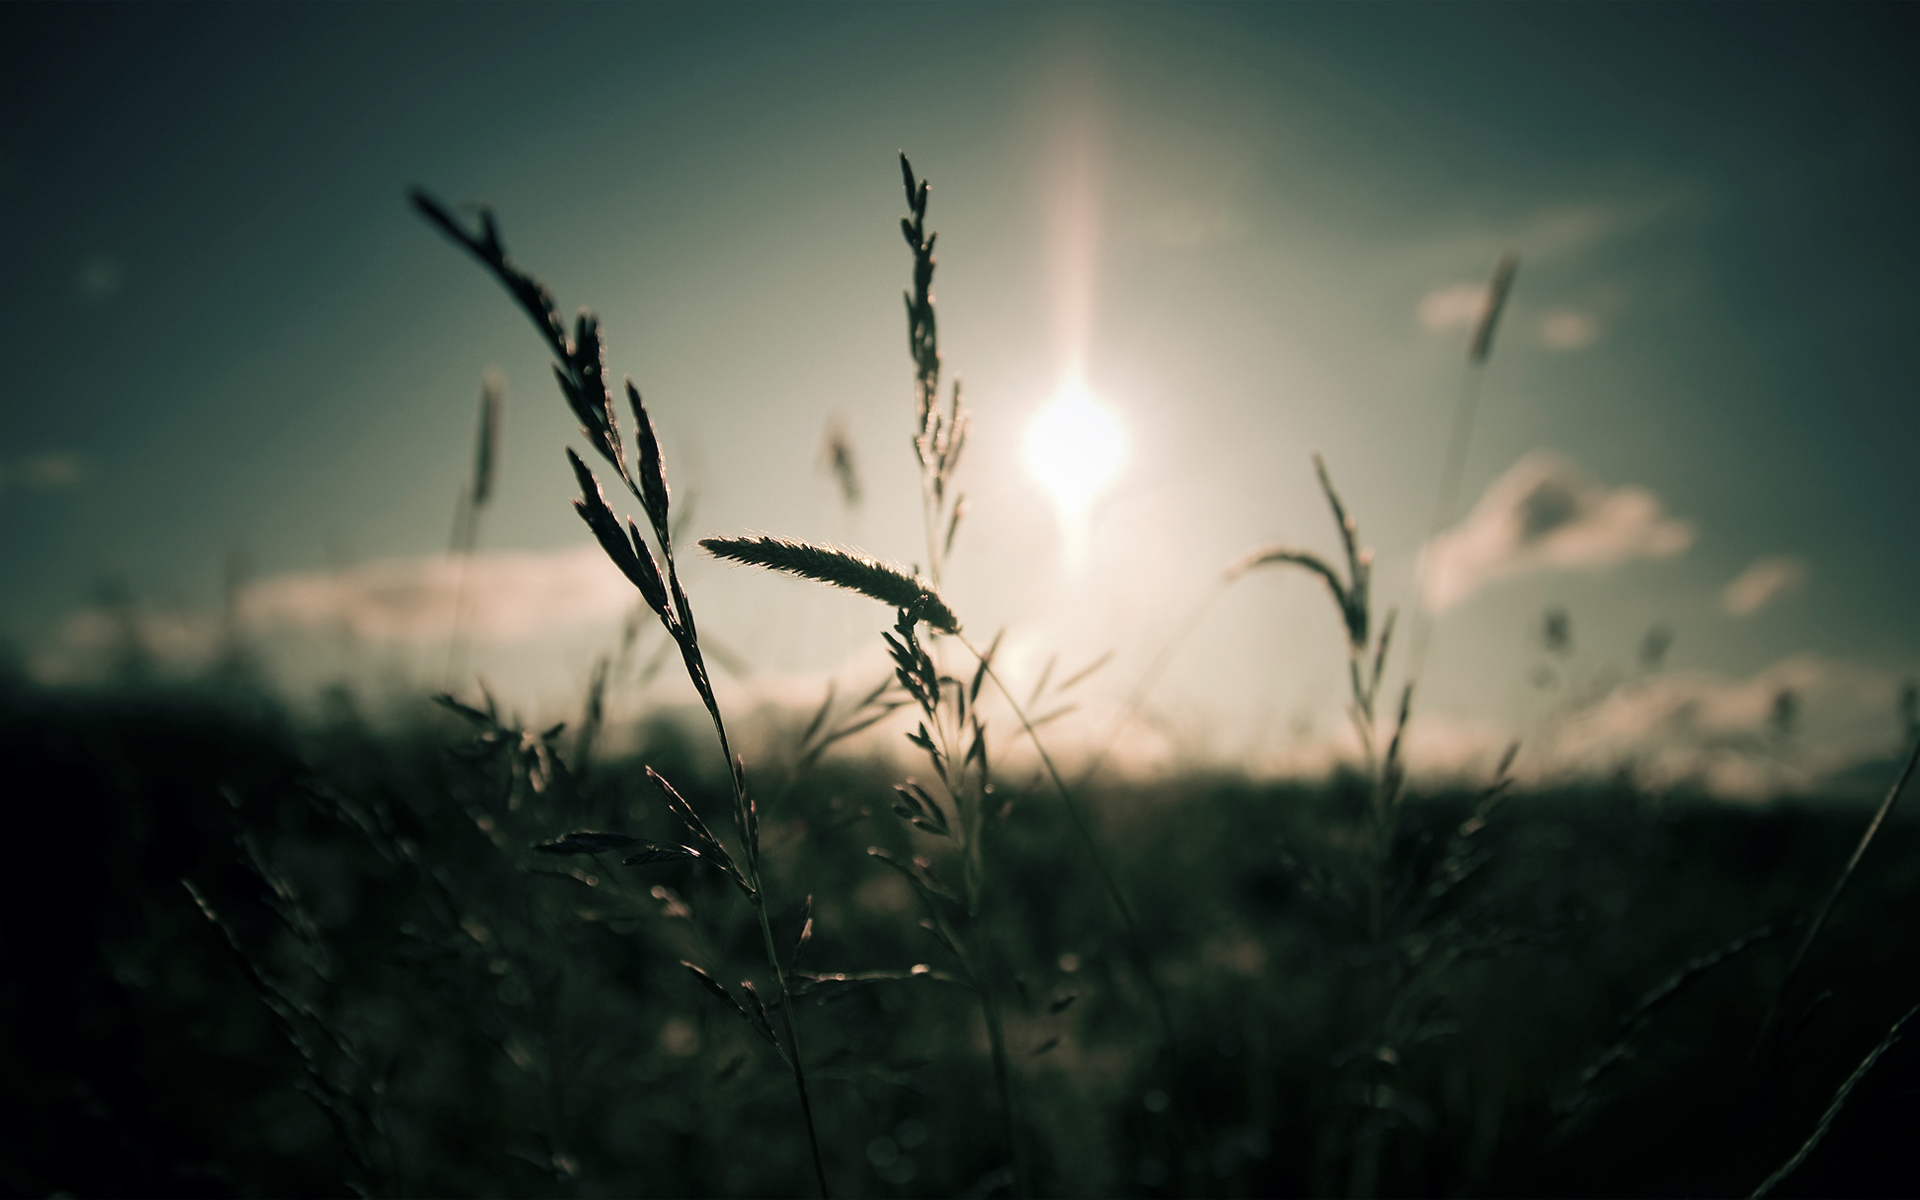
[870,577]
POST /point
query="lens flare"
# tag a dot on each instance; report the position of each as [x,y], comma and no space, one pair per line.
[1075,449]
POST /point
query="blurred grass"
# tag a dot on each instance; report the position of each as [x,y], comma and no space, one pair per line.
[482,1022]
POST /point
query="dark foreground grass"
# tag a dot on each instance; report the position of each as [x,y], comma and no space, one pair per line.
[423,1005]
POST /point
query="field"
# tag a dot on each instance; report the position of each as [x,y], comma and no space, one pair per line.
[412,948]
[451,1013]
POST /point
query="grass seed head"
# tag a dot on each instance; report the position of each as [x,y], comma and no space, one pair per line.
[1497,288]
[889,584]
[653,472]
[588,841]
[626,548]
[486,442]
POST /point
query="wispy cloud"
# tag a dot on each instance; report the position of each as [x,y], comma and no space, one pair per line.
[171,637]
[1764,581]
[1546,239]
[95,641]
[1794,727]
[1566,329]
[1567,232]
[513,596]
[1459,305]
[1454,306]
[1545,514]
[1736,737]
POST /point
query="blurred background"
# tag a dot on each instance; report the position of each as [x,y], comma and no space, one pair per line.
[240,375]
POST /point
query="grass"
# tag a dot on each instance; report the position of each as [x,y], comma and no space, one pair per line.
[530,1031]
[580,369]
[949,705]
[438,951]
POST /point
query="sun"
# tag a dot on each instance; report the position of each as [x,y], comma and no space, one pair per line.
[1075,449]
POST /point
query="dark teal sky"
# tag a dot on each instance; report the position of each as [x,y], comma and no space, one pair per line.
[223,327]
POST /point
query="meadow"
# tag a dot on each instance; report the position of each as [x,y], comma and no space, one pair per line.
[414,948]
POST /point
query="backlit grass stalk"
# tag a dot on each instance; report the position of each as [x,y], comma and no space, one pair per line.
[1136,945]
[950,719]
[939,436]
[579,368]
[1833,1109]
[950,708]
[1453,467]
[937,443]
[358,1124]
[949,713]
[466,518]
[856,572]
[1366,666]
[1839,885]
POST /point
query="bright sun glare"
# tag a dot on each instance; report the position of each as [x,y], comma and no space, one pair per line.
[1075,448]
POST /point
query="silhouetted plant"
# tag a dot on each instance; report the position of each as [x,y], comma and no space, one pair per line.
[579,367]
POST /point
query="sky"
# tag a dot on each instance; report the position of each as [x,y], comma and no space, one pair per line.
[234,361]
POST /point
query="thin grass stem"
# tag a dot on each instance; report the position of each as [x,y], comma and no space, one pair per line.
[1142,962]
[1452,470]
[1833,896]
[460,548]
[1459,439]
[580,369]
[793,1037]
[1833,1110]
[1151,676]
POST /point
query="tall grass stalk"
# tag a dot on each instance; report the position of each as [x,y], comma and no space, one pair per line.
[949,712]
[359,1121]
[1635,1021]
[939,436]
[580,369]
[1352,593]
[1136,945]
[1453,468]
[1399,909]
[930,687]
[938,442]
[1833,896]
[466,517]
[951,734]
[1833,1109]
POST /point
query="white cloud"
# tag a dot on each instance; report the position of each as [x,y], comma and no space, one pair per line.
[1567,232]
[1455,306]
[1565,329]
[1722,734]
[91,639]
[1547,514]
[1690,729]
[1764,581]
[513,596]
